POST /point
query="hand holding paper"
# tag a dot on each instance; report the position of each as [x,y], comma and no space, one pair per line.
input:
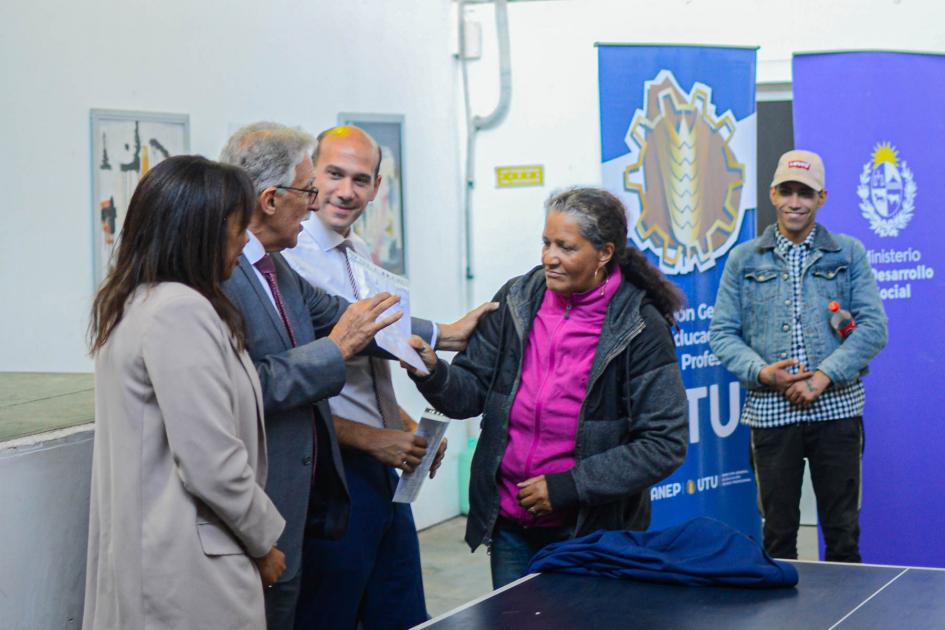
[426,353]
[432,427]
[362,321]
[372,280]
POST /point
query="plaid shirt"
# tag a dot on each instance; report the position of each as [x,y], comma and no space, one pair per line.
[768,408]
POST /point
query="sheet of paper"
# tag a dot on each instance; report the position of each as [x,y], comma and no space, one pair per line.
[433,427]
[371,280]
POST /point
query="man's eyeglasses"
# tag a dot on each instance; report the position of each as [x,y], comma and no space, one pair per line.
[311,192]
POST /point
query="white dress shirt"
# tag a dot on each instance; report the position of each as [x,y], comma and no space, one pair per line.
[319,258]
[254,251]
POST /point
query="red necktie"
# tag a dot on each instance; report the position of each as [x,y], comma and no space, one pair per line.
[268,269]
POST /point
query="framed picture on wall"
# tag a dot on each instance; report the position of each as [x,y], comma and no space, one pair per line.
[382,224]
[125,145]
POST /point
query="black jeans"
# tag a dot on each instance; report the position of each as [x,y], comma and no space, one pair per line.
[834,451]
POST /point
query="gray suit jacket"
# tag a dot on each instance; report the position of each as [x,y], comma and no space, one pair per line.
[178,472]
[296,381]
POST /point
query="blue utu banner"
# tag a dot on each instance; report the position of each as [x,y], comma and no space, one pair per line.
[678,146]
[875,118]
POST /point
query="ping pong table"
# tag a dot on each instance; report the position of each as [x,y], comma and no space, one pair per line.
[828,595]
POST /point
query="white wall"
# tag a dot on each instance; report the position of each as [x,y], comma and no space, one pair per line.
[554,117]
[225,64]
[44,521]
[229,63]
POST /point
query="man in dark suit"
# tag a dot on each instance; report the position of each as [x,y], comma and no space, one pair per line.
[299,338]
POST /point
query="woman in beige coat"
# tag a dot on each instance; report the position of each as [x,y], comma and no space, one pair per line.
[181,533]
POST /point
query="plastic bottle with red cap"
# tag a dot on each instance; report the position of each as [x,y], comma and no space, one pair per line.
[841,321]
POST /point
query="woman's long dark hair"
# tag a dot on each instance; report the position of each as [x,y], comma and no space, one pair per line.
[603,219]
[175,230]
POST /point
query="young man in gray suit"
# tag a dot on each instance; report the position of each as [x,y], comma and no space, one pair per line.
[299,338]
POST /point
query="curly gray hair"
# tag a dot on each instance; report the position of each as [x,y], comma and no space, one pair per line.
[268,152]
[602,219]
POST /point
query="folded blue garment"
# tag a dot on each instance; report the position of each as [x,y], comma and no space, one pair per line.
[699,552]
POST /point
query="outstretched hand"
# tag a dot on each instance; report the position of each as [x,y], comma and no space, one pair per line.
[427,355]
[358,324]
[453,337]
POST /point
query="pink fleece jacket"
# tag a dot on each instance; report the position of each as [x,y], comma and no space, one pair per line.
[543,421]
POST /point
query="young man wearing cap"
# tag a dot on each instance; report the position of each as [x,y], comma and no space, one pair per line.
[771,329]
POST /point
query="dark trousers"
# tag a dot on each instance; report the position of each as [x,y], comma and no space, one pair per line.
[372,574]
[834,451]
[280,600]
[513,547]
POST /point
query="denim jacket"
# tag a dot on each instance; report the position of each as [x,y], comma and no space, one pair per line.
[751,325]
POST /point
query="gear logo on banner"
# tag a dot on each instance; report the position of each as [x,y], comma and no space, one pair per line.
[887,191]
[686,179]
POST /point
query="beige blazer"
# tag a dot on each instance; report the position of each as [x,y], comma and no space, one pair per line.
[178,472]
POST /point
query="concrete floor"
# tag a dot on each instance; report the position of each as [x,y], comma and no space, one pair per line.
[452,576]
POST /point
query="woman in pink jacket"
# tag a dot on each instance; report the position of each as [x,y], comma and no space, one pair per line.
[576,378]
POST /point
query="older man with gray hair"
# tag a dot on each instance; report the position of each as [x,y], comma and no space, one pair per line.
[299,338]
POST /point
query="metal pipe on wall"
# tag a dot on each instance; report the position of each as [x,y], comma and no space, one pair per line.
[474,124]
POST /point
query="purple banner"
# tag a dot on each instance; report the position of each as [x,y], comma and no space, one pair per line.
[875,119]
